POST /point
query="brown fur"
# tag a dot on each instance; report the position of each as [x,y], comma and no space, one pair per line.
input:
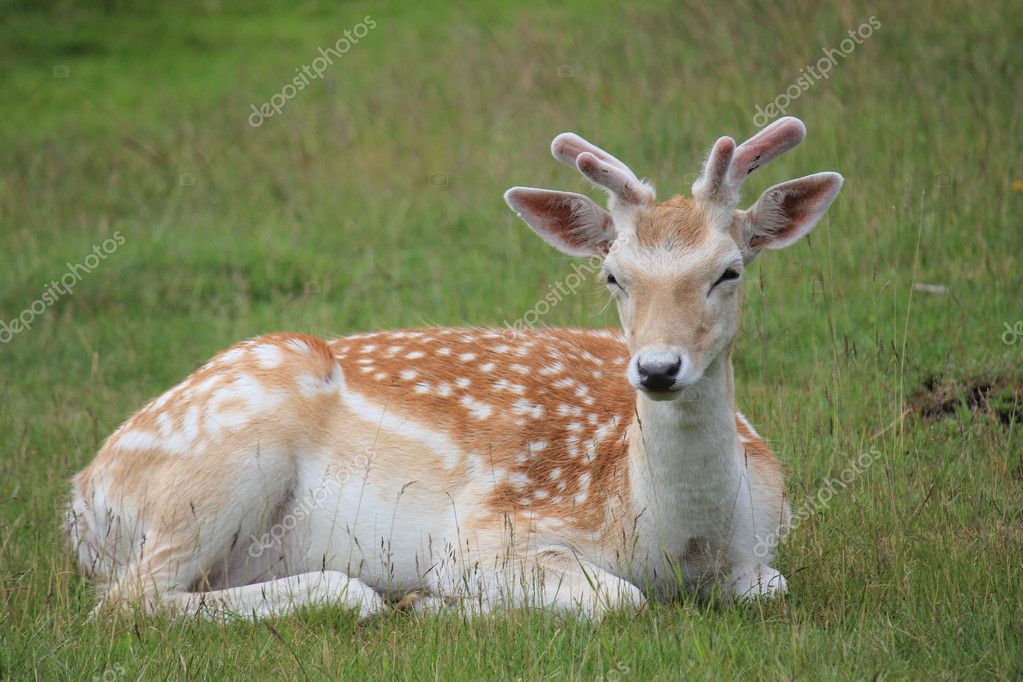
[678,221]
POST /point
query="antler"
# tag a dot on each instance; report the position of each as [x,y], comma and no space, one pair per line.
[728,165]
[602,169]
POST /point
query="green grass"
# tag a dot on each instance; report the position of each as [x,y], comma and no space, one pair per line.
[374,201]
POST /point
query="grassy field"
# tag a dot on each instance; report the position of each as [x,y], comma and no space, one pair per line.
[373,200]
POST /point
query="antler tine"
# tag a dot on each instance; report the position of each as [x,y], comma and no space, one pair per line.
[769,143]
[601,168]
[567,147]
[728,165]
[711,182]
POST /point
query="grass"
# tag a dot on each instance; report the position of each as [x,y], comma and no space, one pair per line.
[374,200]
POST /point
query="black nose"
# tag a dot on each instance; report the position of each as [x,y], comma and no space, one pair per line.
[658,373]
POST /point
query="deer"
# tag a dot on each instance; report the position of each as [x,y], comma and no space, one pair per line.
[572,470]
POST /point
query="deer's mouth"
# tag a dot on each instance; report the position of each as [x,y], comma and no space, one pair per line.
[662,394]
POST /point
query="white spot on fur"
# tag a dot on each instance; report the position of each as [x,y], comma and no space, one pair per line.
[207,384]
[569,410]
[162,400]
[232,355]
[190,423]
[299,345]
[138,440]
[477,409]
[605,430]
[505,385]
[256,398]
[268,355]
[526,408]
[310,385]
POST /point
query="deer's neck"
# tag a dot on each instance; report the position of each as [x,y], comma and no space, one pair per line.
[683,452]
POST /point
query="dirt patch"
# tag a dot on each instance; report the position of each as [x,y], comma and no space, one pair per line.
[943,396]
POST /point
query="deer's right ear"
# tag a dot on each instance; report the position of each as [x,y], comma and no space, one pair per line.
[571,223]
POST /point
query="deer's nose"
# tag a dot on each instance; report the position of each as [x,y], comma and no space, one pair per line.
[657,371]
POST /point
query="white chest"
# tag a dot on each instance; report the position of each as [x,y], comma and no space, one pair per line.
[692,503]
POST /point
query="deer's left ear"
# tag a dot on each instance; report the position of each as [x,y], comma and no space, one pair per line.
[785,213]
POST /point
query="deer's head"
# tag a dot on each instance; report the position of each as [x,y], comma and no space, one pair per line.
[675,267]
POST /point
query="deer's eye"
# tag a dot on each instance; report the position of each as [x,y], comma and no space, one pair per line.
[729,275]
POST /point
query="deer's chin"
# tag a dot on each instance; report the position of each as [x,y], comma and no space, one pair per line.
[662,396]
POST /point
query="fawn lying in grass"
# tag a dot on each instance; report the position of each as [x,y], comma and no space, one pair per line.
[572,469]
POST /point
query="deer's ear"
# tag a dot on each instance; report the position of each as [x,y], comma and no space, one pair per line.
[571,223]
[785,213]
